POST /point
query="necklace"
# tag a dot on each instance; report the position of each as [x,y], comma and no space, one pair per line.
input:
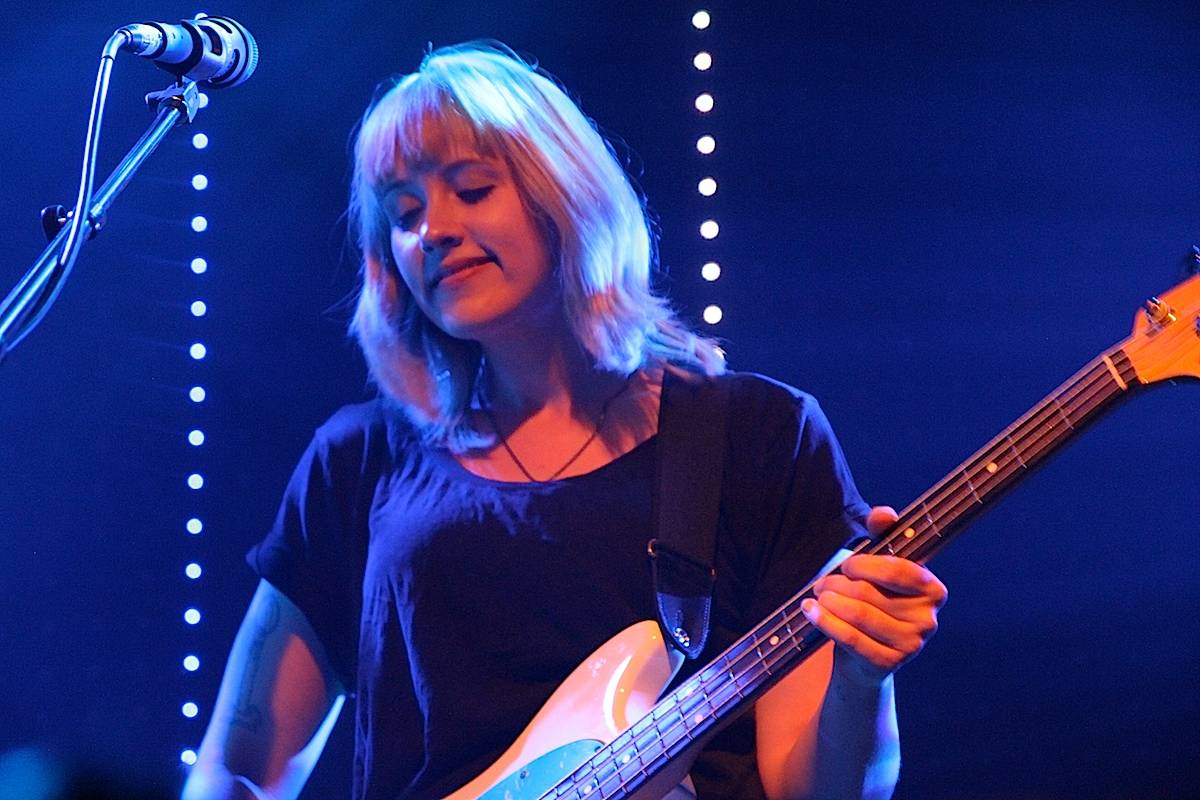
[487,410]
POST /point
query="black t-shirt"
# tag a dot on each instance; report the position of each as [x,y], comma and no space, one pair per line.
[452,605]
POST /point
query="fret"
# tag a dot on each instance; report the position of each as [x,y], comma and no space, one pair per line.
[933,526]
[1058,407]
[971,486]
[1013,447]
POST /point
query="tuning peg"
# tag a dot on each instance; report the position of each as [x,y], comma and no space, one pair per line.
[1158,312]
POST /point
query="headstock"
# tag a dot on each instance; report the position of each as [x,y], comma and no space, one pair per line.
[1165,342]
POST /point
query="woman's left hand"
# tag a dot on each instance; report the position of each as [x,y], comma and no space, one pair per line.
[881,610]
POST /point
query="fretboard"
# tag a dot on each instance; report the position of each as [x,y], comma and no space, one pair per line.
[755,662]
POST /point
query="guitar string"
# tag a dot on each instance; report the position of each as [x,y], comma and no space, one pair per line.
[1045,408]
[612,759]
[1132,347]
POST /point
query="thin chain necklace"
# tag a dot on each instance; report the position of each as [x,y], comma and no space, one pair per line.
[487,410]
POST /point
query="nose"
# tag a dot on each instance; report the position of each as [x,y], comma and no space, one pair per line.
[440,229]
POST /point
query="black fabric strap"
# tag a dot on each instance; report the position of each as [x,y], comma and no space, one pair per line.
[691,439]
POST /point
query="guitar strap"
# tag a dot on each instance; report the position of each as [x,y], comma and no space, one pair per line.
[691,455]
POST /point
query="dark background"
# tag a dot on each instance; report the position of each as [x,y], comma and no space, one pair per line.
[931,215]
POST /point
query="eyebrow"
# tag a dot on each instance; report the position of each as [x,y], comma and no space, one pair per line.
[451,171]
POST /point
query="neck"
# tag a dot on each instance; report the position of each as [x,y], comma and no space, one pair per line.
[542,371]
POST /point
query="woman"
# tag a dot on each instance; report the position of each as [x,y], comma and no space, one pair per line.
[449,553]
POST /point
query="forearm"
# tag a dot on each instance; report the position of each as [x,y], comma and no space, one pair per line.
[215,782]
[851,747]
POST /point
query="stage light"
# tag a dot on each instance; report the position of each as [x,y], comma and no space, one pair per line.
[190,710]
[199,309]
[199,182]
[704,103]
[713,314]
[191,663]
[193,570]
[199,266]
[707,187]
[709,229]
[702,61]
[196,438]
[706,144]
[710,271]
[202,100]
[701,20]
[197,351]
[188,757]
[200,141]
[199,224]
[195,481]
[194,526]
[191,616]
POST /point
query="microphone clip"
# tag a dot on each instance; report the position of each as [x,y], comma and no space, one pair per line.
[183,96]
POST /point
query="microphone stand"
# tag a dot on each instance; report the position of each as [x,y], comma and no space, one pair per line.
[176,104]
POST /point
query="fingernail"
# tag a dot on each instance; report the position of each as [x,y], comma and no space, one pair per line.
[809,607]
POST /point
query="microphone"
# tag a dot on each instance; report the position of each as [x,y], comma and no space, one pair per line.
[215,51]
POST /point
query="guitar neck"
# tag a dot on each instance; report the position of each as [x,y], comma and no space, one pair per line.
[758,660]
[926,525]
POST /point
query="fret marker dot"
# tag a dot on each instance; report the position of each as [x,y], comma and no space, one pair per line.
[774,640]
[992,467]
[698,719]
[909,533]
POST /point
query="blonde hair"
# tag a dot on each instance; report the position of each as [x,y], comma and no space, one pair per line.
[568,177]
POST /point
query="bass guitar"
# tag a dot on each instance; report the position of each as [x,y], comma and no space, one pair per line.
[607,733]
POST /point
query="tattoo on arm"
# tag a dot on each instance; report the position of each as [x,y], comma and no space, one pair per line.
[246,713]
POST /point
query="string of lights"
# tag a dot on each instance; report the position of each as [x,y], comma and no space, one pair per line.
[197,395]
[706,145]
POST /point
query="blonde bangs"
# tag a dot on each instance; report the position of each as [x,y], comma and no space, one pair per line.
[418,123]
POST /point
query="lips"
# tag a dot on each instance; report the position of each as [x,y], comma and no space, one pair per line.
[451,267]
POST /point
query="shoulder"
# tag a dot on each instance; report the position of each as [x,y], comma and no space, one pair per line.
[356,431]
[759,398]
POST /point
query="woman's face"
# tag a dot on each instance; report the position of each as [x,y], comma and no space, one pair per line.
[470,252]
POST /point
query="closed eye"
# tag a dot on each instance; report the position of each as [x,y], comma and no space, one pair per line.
[408,219]
[473,196]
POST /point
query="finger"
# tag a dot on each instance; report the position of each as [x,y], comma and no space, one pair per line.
[872,621]
[880,518]
[895,574]
[910,608]
[882,658]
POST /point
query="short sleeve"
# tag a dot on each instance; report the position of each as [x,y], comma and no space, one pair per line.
[314,551]
[818,507]
[788,504]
